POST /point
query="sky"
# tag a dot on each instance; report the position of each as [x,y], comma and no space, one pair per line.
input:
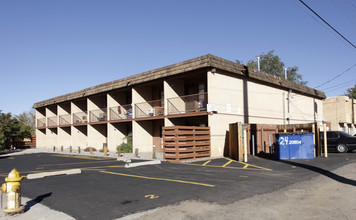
[50,48]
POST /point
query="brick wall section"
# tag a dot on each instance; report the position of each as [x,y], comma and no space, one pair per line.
[185,66]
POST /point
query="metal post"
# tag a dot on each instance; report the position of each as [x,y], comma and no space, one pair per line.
[61,148]
[253,145]
[70,149]
[54,148]
[136,152]
[325,141]
[105,149]
[78,150]
[154,152]
[269,143]
[245,146]
[313,130]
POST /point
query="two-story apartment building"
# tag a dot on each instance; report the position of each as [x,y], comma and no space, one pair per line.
[340,112]
[204,91]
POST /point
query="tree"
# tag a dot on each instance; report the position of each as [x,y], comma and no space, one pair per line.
[272,64]
[11,127]
[351,92]
[28,118]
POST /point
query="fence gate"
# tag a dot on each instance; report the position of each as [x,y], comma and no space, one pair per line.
[236,141]
[185,142]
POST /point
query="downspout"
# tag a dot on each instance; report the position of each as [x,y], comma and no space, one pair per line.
[353,111]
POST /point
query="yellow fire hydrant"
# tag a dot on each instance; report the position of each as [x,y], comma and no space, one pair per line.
[12,188]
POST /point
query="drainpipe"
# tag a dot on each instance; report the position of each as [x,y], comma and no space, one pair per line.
[353,111]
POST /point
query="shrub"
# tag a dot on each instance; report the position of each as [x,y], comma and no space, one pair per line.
[125,146]
[88,149]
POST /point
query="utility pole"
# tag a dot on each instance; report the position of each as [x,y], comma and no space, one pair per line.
[258,63]
[288,112]
[285,73]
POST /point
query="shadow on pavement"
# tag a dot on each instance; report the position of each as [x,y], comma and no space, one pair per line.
[38,199]
[324,172]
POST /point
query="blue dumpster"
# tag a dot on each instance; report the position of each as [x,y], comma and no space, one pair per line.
[294,146]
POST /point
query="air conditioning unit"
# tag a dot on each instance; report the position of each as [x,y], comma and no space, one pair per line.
[151,112]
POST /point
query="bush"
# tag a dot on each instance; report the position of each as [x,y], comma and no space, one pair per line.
[125,147]
[88,149]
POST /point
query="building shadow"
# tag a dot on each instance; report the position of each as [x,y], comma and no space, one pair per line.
[321,171]
[38,199]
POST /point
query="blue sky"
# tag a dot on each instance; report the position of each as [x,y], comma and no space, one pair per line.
[51,48]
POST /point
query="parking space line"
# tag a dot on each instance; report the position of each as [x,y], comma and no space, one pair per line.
[227,163]
[245,167]
[248,165]
[199,165]
[160,179]
[206,162]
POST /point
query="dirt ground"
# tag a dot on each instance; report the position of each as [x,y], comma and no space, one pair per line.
[318,198]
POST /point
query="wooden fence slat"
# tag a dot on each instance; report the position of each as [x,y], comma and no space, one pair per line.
[186,142]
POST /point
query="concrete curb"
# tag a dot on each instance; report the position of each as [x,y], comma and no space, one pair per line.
[153,162]
[55,173]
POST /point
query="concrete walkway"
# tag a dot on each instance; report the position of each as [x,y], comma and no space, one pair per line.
[34,211]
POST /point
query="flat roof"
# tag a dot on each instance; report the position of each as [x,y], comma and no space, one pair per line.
[205,61]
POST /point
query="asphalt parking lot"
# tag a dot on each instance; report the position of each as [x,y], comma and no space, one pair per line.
[107,190]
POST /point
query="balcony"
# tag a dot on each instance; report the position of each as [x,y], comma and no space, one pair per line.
[80,118]
[149,109]
[187,104]
[41,123]
[52,121]
[121,112]
[98,115]
[64,120]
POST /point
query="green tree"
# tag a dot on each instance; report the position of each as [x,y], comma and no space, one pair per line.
[351,92]
[272,64]
[28,118]
[11,127]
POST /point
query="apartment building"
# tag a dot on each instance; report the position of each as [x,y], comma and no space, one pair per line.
[207,91]
[340,112]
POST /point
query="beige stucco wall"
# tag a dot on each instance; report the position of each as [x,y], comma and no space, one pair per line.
[41,138]
[97,136]
[174,88]
[142,132]
[140,95]
[225,93]
[40,134]
[79,136]
[64,137]
[116,135]
[266,105]
[338,111]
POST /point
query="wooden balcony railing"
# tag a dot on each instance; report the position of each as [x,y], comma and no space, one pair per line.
[80,118]
[52,121]
[41,123]
[187,104]
[121,112]
[64,119]
[98,115]
[149,109]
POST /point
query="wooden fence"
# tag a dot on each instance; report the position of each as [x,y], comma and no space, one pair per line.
[261,138]
[22,143]
[186,142]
